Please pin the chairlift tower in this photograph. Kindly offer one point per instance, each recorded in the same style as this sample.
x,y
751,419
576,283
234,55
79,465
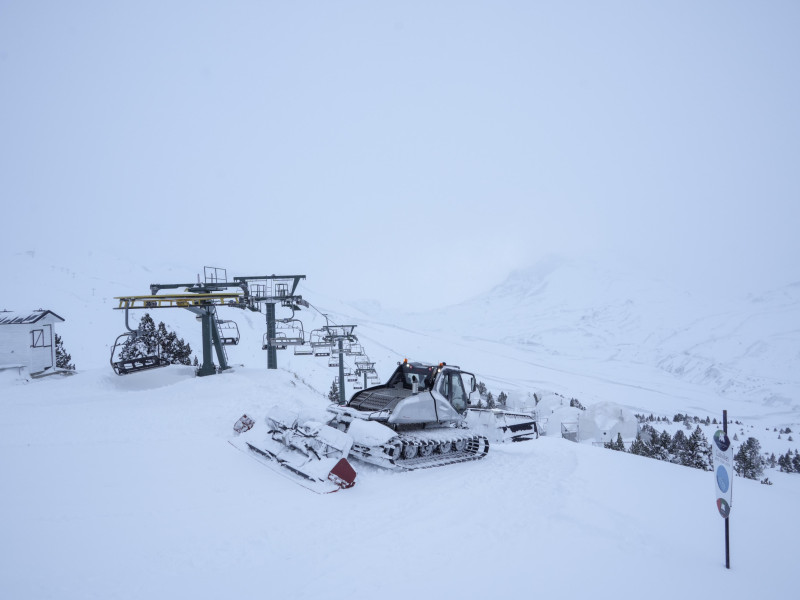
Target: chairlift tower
x,y
365,367
271,290
216,280
339,334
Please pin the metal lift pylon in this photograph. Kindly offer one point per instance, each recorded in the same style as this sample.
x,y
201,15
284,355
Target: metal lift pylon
x,y
338,334
272,290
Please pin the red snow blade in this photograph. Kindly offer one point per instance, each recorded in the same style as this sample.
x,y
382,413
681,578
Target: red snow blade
x,y
311,454
343,474
244,423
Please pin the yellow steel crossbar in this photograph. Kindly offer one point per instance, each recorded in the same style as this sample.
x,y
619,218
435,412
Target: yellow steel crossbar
x,y
177,300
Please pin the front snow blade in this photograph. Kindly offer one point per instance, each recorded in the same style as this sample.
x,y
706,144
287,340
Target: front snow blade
x,y
312,454
502,425
244,424
343,474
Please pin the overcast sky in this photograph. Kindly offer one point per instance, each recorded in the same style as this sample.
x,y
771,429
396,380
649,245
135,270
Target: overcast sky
x,y
411,152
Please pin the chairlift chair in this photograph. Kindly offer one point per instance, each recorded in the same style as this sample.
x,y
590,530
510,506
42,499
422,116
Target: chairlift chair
x,y
304,350
228,333
290,332
353,349
319,346
136,360
277,342
364,364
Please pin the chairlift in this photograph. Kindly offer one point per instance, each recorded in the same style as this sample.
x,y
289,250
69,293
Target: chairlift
x,y
228,332
353,349
322,350
364,364
333,360
289,332
336,332
132,355
277,342
319,345
303,350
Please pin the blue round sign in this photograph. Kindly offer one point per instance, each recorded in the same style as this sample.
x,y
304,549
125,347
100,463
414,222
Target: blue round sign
x,y
723,481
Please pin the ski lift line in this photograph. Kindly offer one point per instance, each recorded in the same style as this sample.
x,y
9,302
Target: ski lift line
x,y
179,301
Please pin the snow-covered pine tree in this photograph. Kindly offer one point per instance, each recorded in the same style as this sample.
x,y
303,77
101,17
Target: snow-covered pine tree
x,y
664,443
638,447
490,403
748,462
502,399
156,340
145,343
617,444
699,451
62,357
333,394
177,351
772,462
678,446
657,445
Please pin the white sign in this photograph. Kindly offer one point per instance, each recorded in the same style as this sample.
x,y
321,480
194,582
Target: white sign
x,y
723,472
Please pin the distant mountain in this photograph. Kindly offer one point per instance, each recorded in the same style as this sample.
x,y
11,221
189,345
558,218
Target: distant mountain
x,y
743,346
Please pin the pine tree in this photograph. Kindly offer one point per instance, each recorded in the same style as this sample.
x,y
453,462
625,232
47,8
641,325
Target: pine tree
x,y
62,357
617,444
502,399
333,394
748,462
698,451
152,340
678,448
144,343
772,462
490,400
658,445
638,447
665,443
645,435
173,349
785,462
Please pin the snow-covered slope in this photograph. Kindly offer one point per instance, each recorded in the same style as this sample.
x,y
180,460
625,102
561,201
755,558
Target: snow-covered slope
x,y
739,348
125,487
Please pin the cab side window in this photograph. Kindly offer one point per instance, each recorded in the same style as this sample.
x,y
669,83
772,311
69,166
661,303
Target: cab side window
x,y
459,398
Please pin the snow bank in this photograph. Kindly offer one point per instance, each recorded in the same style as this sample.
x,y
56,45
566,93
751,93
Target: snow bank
x,y
602,422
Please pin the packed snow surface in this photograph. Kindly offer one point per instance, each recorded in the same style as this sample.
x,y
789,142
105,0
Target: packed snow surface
x,y
127,487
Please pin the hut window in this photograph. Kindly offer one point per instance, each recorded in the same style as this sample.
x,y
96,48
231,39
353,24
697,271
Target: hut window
x,y
38,339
